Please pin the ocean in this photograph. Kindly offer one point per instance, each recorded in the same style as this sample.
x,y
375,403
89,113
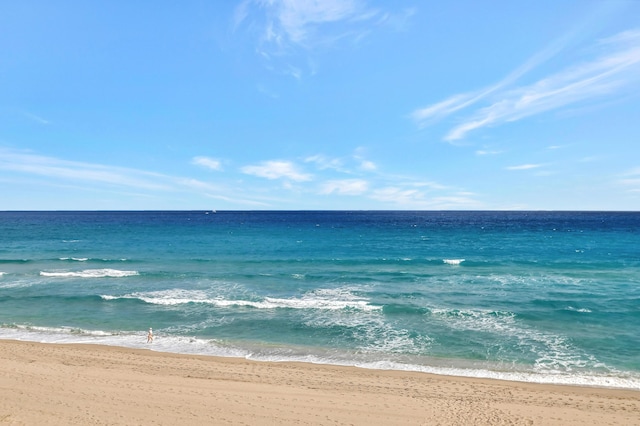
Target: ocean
x,y
547,297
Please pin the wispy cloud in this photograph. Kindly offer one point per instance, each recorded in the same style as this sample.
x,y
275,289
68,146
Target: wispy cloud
x,y
345,187
427,115
456,201
323,162
483,152
286,28
297,22
398,195
78,171
413,197
631,180
368,166
608,74
348,165
524,167
589,159
36,118
277,169
210,163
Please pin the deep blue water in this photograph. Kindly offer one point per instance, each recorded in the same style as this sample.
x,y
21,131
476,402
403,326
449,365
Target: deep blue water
x,y
535,296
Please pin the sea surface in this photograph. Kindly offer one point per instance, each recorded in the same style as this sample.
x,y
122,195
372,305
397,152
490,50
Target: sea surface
x,y
550,297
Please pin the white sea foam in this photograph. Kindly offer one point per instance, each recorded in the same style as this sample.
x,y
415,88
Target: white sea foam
x,y
370,331
107,297
323,299
453,261
581,310
90,273
607,381
77,259
211,347
554,353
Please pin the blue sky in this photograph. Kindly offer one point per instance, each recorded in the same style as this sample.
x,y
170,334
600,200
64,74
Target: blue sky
x,y
350,104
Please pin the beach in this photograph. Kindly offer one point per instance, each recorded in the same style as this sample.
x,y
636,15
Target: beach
x,y
51,384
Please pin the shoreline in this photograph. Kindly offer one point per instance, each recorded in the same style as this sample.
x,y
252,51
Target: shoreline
x,y
74,383
442,367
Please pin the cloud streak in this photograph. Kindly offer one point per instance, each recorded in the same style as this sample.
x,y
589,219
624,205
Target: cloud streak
x,y
276,169
78,171
98,177
209,163
618,68
345,187
525,167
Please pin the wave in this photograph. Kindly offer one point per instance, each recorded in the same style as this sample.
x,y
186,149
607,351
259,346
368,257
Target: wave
x,y
90,273
453,261
581,310
75,331
94,260
323,299
9,261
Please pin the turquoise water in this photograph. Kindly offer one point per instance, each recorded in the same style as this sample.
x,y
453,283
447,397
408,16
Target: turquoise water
x,y
549,297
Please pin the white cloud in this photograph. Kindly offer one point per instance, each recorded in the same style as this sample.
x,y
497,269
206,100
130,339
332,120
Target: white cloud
x,y
487,152
197,184
210,163
345,187
368,166
461,200
617,69
397,195
429,185
524,167
404,197
276,170
323,162
343,165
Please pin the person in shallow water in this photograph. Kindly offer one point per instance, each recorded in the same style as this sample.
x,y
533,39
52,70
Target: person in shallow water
x,y
150,335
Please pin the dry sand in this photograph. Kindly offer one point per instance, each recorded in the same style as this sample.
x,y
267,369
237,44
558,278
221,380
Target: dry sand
x,y
52,384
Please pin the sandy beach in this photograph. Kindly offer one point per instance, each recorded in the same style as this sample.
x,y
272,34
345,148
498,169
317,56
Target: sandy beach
x,y
55,384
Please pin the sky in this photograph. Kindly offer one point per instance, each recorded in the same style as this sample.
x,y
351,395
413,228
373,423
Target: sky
x,y
320,105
